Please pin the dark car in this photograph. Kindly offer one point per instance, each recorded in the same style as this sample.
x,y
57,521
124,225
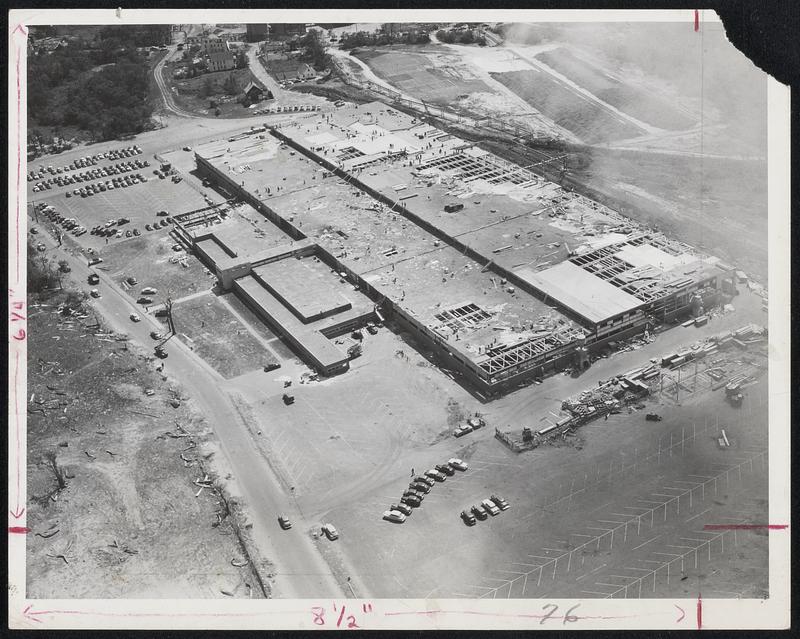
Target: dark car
x,y
424,480
478,512
414,493
420,488
160,352
435,474
403,508
411,500
469,519
283,520
444,468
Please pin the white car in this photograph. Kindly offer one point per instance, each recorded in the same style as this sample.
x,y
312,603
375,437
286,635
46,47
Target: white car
x,y
135,318
330,532
490,507
458,464
94,293
394,516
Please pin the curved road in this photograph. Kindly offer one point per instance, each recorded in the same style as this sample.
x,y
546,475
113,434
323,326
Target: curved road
x,y
166,94
300,571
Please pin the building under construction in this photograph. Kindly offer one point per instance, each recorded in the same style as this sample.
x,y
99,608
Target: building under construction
x,y
505,275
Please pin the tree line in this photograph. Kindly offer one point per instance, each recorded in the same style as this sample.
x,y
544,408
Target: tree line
x,y
99,86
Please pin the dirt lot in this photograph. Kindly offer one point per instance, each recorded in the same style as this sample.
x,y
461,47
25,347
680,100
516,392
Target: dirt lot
x,y
632,100
588,120
348,445
209,328
129,521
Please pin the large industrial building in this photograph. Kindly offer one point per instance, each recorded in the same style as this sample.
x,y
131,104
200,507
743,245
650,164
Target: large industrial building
x,y
505,275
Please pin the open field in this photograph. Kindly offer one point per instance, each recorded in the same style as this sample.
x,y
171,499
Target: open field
x,y
147,259
632,100
587,119
416,75
128,522
210,329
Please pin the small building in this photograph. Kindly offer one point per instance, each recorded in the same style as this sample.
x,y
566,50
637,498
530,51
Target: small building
x,y
255,93
223,61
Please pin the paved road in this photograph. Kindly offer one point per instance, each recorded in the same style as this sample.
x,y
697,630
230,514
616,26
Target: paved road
x,y
300,571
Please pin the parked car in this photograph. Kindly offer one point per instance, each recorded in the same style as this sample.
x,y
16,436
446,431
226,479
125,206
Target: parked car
x,y
135,318
478,512
95,260
330,532
160,352
435,474
94,293
136,232
372,329
468,518
476,422
457,463
489,507
445,469
424,480
162,213
132,281
419,487
414,493
284,522
501,503
144,300
394,516
156,335
462,430
411,500
401,508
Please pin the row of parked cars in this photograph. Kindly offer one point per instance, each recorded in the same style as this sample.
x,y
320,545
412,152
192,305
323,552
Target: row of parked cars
x,y
487,507
420,486
108,185
83,162
60,175
70,224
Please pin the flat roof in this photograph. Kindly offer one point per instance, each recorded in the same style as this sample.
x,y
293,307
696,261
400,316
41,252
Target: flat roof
x,y
305,288
314,344
580,291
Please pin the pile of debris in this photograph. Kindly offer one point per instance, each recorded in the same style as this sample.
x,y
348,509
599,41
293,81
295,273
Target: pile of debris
x,y
742,337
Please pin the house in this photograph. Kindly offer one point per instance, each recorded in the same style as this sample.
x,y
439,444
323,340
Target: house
x,y
255,93
214,44
223,61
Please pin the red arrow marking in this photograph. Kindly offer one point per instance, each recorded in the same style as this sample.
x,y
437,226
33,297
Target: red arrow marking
x,y
699,612
683,613
18,530
21,28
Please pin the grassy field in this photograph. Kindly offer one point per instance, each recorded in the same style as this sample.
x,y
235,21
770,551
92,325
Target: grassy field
x,y
584,117
218,337
634,101
414,74
127,521
147,259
